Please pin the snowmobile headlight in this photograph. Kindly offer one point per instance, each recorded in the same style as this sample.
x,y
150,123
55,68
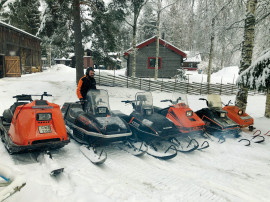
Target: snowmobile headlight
x,y
44,116
189,113
240,112
222,114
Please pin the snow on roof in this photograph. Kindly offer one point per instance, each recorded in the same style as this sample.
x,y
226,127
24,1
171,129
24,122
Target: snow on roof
x,y
63,58
193,56
161,41
17,29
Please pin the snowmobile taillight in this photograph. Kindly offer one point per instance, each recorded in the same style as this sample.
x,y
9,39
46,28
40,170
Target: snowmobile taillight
x,y
222,114
189,113
44,116
240,112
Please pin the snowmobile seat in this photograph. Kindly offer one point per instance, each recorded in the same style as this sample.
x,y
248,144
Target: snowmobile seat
x,y
8,113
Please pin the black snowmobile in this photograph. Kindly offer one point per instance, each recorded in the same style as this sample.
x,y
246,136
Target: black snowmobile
x,y
156,130
216,120
91,123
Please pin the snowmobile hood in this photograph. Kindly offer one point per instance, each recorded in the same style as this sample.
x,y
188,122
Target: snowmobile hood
x,y
215,117
156,123
104,125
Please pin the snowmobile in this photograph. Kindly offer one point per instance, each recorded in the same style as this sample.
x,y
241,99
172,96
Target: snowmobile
x,y
155,129
92,124
187,122
217,123
32,125
239,116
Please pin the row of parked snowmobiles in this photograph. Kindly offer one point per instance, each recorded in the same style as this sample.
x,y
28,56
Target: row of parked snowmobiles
x,y
30,125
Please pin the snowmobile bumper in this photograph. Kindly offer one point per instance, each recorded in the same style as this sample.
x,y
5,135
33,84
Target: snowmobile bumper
x,y
37,146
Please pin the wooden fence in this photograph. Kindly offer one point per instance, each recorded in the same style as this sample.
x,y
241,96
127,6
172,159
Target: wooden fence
x,y
169,86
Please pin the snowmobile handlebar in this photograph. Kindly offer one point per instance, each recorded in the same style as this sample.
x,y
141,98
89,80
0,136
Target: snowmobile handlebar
x,y
128,101
25,97
205,100
230,102
166,101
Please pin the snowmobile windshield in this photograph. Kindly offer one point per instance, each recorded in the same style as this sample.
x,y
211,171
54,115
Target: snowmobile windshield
x,y
144,100
179,98
97,100
214,101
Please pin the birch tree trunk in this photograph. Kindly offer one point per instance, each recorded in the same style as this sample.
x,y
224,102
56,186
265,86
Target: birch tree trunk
x,y
211,54
247,50
134,42
157,43
78,40
267,105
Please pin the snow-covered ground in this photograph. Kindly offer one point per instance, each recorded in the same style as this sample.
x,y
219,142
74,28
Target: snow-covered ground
x,y
223,172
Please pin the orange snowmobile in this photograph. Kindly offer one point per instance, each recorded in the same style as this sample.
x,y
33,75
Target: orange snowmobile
x,y
32,125
182,116
187,122
239,116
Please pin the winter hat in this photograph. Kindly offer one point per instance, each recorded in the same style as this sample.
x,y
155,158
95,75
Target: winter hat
x,y
88,70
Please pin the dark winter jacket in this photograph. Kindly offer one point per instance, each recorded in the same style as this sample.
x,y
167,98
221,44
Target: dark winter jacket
x,y
85,84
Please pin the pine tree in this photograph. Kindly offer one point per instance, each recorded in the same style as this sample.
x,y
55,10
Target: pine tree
x,y
257,76
24,14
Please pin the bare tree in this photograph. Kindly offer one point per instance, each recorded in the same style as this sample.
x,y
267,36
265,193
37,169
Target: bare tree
x,y
135,7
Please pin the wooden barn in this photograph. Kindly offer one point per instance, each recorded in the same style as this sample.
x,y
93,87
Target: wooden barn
x,y
170,59
19,51
192,61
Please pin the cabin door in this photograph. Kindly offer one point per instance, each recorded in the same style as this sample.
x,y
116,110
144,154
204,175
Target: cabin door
x,y
12,64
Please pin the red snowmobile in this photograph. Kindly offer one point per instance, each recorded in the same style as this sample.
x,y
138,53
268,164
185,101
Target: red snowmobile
x,y
182,116
187,122
32,125
239,116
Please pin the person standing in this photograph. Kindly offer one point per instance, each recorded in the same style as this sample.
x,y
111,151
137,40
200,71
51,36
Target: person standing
x,y
86,83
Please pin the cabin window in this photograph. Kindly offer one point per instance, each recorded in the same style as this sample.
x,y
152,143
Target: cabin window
x,y
152,62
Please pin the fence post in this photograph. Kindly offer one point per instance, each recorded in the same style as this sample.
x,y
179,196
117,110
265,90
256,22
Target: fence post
x,y
127,81
188,84
99,76
161,84
220,87
174,84
149,84
140,83
114,78
201,86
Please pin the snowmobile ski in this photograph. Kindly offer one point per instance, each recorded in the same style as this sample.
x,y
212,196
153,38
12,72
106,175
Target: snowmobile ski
x,y
155,151
134,148
204,145
257,138
93,155
47,159
189,148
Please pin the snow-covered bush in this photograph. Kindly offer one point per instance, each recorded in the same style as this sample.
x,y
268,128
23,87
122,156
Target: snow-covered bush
x,y
181,75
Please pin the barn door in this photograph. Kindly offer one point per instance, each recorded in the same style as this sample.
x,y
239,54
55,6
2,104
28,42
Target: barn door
x,y
12,64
